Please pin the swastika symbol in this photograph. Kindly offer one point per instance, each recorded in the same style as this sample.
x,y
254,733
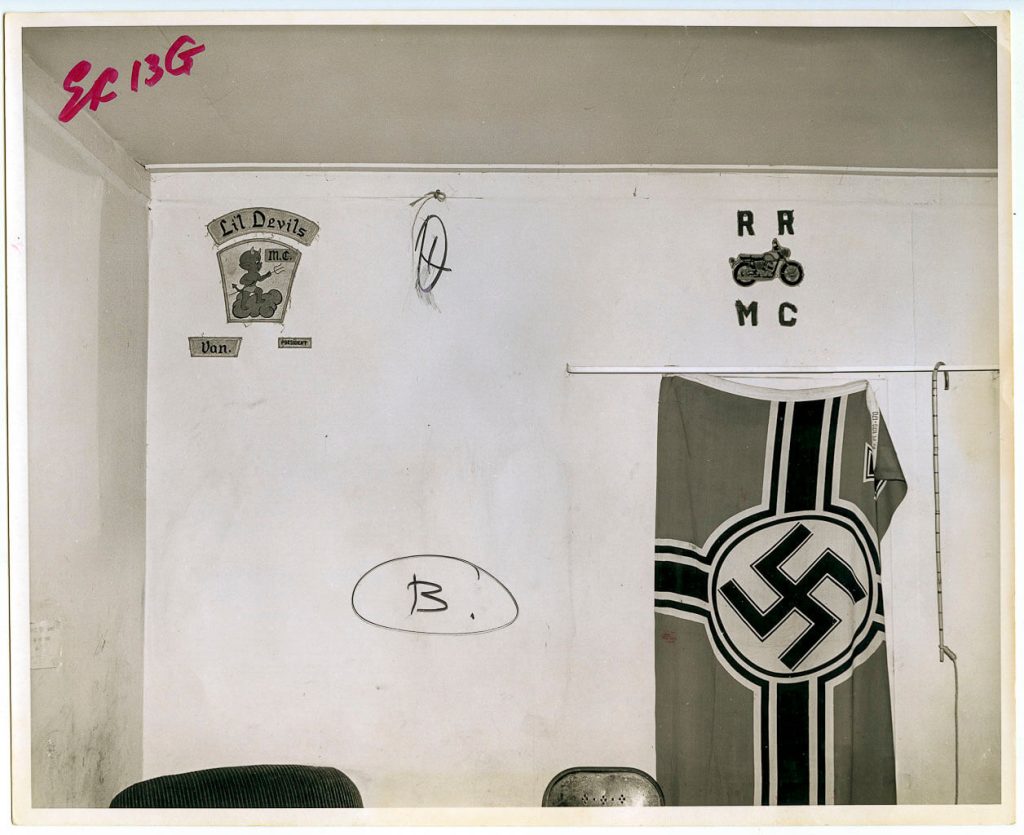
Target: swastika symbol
x,y
794,595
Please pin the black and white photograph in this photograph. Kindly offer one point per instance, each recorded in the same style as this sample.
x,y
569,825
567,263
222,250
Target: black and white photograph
x,y
473,417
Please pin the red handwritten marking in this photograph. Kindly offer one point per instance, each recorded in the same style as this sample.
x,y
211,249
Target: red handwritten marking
x,y
668,637
156,72
186,55
79,98
98,93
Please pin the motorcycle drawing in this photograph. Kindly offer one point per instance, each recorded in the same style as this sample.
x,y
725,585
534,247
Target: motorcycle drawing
x,y
748,268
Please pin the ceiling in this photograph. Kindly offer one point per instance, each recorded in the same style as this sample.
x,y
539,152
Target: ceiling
x,y
878,97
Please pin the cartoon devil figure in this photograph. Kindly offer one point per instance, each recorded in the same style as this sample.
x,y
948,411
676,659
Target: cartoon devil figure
x,y
251,301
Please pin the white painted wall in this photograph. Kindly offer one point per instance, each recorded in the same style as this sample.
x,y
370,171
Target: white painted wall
x,y
86,243
275,480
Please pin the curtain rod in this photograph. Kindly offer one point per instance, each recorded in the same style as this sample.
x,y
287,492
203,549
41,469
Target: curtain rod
x,y
747,370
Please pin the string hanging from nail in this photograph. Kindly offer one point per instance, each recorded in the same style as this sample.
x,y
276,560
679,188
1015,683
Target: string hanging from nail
x,y
436,194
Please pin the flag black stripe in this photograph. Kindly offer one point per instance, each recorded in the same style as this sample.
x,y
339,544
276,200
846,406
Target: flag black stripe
x,y
687,580
682,552
791,741
804,447
682,607
833,428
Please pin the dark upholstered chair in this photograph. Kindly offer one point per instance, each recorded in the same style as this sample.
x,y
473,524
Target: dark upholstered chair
x,y
589,786
244,787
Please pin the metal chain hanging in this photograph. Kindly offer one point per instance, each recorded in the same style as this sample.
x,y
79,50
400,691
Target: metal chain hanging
x,y
944,651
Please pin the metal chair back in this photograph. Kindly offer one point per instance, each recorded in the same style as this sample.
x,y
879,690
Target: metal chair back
x,y
596,786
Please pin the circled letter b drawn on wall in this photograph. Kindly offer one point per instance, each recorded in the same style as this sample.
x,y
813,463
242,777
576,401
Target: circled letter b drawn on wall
x,y
435,595
256,270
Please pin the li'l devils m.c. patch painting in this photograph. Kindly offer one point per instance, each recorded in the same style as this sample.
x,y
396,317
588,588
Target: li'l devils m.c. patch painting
x,y
257,267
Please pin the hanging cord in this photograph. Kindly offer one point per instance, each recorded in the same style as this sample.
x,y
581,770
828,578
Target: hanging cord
x,y
436,194
944,651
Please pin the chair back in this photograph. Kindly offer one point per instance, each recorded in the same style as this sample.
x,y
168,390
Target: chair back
x,y
593,786
244,787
